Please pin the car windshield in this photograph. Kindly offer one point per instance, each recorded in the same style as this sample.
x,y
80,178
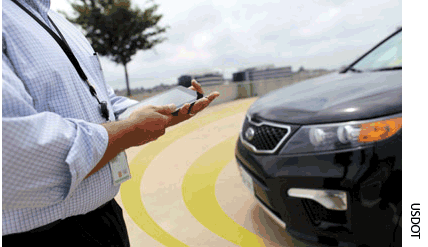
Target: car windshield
x,y
387,56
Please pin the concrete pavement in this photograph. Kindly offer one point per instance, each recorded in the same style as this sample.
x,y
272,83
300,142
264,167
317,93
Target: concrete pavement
x,y
186,189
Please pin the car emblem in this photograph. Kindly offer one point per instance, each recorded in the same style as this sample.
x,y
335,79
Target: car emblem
x,y
249,134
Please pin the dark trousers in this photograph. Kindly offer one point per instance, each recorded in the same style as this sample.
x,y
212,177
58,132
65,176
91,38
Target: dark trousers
x,y
104,226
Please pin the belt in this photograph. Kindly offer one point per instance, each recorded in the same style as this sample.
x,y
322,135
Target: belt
x,y
53,224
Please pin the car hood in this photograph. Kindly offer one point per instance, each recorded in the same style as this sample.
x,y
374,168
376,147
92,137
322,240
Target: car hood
x,y
334,97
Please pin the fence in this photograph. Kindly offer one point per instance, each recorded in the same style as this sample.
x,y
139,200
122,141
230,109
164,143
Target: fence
x,y
248,89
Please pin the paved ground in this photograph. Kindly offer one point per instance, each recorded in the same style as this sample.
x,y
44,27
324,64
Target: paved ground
x,y
186,189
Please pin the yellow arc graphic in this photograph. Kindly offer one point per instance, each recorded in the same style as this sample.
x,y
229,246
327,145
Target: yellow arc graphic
x,y
130,190
199,195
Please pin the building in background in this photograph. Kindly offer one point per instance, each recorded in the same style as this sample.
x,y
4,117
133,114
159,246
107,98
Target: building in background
x,y
211,78
261,73
185,80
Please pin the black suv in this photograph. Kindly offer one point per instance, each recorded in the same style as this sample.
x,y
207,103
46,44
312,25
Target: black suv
x,y
323,157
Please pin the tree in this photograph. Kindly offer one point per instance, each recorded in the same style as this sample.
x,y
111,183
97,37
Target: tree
x,y
118,30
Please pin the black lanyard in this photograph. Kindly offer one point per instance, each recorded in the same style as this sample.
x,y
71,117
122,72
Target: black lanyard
x,y
66,48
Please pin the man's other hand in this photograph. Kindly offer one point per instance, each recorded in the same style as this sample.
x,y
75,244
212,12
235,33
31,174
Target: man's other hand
x,y
199,105
147,124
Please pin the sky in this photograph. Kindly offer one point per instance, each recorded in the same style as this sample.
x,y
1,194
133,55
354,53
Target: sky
x,y
230,35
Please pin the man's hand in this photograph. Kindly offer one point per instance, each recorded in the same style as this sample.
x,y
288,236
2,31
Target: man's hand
x,y
197,107
149,123
144,125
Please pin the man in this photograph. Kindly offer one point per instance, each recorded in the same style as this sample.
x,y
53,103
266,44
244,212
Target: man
x,y
58,150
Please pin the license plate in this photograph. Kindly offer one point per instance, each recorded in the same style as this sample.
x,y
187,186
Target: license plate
x,y
247,180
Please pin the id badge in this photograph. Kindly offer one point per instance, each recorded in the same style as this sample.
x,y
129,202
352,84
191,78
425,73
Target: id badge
x,y
120,169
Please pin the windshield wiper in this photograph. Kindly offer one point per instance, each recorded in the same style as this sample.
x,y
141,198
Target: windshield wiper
x,y
389,68
355,70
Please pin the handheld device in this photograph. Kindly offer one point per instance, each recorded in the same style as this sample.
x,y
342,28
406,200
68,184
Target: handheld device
x,y
178,96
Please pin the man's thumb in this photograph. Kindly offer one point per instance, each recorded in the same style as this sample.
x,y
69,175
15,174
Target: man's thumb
x,y
166,109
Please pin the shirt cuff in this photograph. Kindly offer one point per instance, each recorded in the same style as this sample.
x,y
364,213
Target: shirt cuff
x,y
87,150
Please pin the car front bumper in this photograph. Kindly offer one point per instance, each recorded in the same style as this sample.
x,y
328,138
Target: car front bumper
x,y
341,198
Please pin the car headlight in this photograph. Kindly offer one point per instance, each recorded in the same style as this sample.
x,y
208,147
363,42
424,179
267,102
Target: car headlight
x,y
327,137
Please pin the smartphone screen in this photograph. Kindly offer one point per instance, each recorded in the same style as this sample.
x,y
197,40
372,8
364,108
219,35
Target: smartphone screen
x,y
177,96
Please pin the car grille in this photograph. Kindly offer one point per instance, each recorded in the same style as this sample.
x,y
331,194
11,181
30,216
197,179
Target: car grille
x,y
267,136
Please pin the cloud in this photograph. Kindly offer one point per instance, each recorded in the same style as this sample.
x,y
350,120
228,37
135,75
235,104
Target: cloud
x,y
182,54
323,46
231,23
328,15
234,34
200,39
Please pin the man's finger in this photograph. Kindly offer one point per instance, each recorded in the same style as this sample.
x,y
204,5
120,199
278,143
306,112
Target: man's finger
x,y
197,86
165,109
199,105
185,109
204,102
212,96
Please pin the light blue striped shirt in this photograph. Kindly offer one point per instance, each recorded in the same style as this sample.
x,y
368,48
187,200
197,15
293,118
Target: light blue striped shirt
x,y
52,137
